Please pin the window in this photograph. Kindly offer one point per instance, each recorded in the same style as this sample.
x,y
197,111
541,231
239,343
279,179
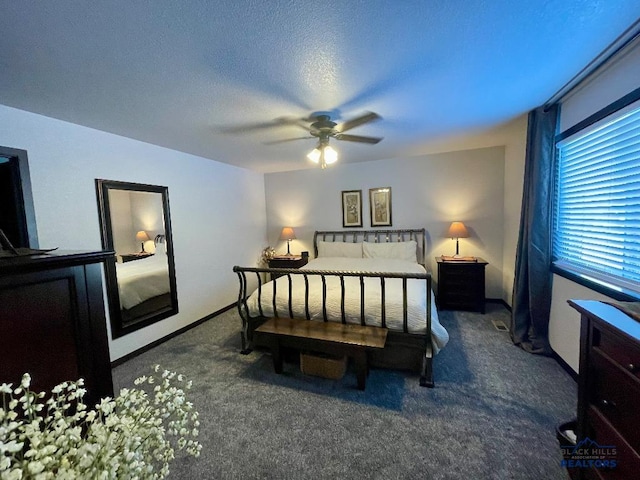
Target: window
x,y
597,204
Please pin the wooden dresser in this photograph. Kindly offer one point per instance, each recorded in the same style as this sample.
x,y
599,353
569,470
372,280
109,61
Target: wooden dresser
x,y
52,321
609,387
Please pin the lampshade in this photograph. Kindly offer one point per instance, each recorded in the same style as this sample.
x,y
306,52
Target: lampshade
x,y
142,236
457,230
287,234
314,155
330,155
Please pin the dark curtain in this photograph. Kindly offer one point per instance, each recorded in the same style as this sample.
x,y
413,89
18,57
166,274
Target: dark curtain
x,y
531,301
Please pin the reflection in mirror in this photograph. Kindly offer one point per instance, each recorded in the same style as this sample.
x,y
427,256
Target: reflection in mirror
x,y
141,282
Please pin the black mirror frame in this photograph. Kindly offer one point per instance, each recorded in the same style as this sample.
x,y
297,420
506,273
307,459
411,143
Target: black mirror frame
x,y
102,191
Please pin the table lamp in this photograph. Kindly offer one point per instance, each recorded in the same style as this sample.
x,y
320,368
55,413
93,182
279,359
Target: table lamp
x,y
288,234
457,230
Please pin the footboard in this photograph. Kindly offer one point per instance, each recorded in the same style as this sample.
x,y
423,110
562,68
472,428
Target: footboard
x,y
404,349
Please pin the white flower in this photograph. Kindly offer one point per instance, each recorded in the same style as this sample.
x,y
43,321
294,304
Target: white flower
x,y
26,380
14,474
11,446
124,437
35,467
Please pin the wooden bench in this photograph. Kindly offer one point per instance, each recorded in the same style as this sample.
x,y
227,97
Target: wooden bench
x,y
325,337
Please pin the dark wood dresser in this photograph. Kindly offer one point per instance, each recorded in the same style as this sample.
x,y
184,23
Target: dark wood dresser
x,y
609,387
461,284
52,321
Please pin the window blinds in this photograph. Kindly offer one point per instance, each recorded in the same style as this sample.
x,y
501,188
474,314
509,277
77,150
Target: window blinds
x,y
597,208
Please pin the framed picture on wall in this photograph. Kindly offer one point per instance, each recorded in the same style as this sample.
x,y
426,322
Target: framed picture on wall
x,y
380,203
352,208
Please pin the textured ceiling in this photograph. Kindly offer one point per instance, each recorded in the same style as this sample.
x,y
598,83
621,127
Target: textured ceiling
x,y
178,73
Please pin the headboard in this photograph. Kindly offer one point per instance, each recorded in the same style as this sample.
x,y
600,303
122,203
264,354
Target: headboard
x,y
376,236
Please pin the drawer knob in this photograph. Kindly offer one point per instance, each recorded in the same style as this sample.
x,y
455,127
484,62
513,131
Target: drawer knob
x,y
608,403
632,368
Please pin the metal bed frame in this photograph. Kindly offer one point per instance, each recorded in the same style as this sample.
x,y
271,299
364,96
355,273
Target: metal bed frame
x,y
403,350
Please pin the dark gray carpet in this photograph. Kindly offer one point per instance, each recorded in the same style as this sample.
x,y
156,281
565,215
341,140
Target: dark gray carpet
x,y
492,414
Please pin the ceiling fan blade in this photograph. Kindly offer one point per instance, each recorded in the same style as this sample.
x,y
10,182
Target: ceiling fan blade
x,y
357,138
275,142
355,122
277,122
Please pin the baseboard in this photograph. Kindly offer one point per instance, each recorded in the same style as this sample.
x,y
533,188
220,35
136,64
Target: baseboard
x,y
151,345
498,301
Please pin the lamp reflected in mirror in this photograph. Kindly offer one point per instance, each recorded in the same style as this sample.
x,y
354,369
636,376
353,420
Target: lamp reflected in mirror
x,y
142,237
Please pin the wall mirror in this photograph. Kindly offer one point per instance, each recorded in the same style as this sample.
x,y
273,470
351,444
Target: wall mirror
x,y
141,281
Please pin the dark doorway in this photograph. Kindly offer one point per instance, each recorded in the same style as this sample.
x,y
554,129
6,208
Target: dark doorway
x,y
17,215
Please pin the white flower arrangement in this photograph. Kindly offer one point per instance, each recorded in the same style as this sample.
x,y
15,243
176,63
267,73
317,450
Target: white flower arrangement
x,y
267,254
123,437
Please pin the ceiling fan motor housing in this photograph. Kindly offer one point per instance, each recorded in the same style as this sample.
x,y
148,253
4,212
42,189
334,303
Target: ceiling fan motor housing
x,y
323,127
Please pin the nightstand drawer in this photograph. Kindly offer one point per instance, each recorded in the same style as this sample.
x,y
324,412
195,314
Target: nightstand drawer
x,y
458,296
464,271
614,393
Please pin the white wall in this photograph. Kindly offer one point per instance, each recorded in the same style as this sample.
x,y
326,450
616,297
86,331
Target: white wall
x,y
611,83
514,160
217,210
427,191
513,136
619,77
564,325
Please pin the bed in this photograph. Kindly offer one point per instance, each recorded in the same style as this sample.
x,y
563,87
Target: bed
x,y
366,277
143,284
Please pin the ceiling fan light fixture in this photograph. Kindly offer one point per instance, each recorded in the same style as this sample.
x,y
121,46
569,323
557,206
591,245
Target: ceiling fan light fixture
x,y
314,155
324,155
330,155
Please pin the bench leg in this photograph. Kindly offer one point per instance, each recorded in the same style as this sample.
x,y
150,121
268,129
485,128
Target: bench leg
x,y
360,358
276,354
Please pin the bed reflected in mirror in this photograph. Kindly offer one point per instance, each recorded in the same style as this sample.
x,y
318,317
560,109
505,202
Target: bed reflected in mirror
x,y
135,224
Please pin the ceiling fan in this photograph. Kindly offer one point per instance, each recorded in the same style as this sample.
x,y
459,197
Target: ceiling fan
x,y
321,127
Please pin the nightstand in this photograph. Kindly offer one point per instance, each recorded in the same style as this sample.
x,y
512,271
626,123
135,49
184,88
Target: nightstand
x,y
130,257
461,284
294,261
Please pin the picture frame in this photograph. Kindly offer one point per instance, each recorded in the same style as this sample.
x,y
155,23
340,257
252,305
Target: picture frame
x,y
352,208
380,205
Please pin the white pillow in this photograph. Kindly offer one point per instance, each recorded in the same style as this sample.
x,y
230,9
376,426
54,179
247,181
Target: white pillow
x,y
396,250
340,249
